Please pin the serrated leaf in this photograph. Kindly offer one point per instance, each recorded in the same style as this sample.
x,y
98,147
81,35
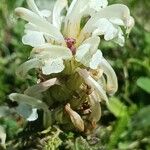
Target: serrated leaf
x,y
117,107
144,83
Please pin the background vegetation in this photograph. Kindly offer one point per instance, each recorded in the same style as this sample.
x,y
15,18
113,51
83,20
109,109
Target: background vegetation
x,y
124,125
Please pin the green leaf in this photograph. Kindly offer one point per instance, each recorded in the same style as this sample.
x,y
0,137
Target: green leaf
x,y
12,127
144,83
116,107
120,127
141,119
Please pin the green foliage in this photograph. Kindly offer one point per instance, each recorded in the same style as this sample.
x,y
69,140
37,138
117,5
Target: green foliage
x,y
117,108
144,83
11,53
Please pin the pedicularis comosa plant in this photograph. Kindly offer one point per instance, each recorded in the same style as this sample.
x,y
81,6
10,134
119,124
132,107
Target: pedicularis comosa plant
x,y
73,76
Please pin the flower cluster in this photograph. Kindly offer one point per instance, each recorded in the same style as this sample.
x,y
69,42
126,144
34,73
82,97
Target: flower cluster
x,y
74,77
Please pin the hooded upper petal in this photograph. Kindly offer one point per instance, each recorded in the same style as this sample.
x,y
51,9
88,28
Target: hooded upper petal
x,y
42,24
114,12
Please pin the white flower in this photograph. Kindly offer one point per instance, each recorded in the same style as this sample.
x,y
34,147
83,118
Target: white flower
x,y
57,38
104,20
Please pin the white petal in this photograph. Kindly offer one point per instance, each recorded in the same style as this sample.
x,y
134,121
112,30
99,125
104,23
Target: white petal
x,y
120,39
33,116
102,82
46,4
94,43
96,59
109,30
51,51
30,27
117,21
33,38
45,13
71,7
41,23
73,18
116,11
53,66
91,82
58,7
112,83
33,7
130,24
104,27
111,34
76,11
98,4
82,51
86,51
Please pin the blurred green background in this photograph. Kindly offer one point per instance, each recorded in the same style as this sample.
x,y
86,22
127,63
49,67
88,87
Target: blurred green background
x,y
131,63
